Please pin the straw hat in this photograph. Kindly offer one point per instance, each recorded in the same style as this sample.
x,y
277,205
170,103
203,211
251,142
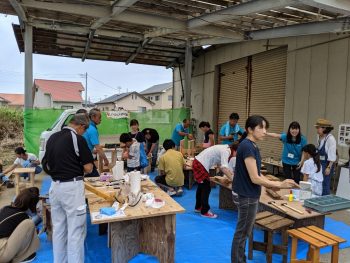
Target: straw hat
x,y
323,123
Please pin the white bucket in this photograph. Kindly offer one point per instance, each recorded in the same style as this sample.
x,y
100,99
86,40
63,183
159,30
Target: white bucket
x,y
118,170
135,182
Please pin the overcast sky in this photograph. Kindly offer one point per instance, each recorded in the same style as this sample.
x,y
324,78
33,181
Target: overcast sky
x,y
132,77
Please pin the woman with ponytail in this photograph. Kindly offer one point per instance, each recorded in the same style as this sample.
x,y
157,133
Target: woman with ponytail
x,y
312,169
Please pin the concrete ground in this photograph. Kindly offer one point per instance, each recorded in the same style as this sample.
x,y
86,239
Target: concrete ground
x,y
6,196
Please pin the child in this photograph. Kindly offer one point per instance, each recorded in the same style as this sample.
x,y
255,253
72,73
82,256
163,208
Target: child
x,y
133,154
311,169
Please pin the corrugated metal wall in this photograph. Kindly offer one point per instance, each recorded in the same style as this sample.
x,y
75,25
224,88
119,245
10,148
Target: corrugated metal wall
x,y
317,80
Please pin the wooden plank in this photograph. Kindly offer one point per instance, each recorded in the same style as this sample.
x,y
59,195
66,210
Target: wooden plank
x,y
327,234
300,235
157,237
24,170
98,192
293,251
124,240
318,236
262,215
279,224
268,220
335,253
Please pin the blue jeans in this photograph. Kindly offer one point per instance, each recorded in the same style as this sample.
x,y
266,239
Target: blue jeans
x,y
247,209
4,178
28,164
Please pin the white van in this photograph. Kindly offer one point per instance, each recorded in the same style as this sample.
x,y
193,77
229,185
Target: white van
x,y
62,121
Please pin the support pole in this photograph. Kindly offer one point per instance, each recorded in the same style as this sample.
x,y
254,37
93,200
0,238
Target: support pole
x,y
188,74
28,67
86,103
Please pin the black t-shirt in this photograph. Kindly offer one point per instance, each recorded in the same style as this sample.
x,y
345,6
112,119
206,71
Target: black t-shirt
x,y
242,184
9,225
154,135
206,135
63,161
138,136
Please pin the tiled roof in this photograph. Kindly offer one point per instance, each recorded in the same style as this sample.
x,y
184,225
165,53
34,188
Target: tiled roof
x,y
14,99
157,88
67,91
120,96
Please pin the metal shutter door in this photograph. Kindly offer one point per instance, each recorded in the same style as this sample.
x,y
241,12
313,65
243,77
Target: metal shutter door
x,y
268,95
233,91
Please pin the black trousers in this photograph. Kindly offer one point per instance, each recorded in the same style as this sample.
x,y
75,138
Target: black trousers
x,y
202,196
94,172
291,172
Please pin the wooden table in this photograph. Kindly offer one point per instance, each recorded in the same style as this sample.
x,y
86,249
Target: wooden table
x,y
306,219
143,229
18,171
272,163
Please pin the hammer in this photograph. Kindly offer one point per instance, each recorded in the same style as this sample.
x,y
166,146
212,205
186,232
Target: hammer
x,y
278,207
292,208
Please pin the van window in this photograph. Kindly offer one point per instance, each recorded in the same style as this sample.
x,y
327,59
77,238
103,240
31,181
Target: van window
x,y
67,120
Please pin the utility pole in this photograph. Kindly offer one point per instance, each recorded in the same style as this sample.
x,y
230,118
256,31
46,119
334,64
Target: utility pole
x,y
86,90
119,88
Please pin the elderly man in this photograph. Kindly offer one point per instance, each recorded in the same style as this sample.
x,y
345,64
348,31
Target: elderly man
x,y
67,158
180,132
92,138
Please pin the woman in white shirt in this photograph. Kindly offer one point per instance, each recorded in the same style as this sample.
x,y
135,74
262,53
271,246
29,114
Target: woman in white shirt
x,y
312,169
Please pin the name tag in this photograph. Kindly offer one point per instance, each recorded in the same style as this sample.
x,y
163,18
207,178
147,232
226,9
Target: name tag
x,y
322,157
290,155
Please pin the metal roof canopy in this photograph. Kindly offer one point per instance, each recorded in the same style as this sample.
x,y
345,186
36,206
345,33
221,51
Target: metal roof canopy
x,y
155,32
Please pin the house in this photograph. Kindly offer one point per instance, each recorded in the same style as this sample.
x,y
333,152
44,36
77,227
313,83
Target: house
x,y
161,95
57,94
12,100
130,101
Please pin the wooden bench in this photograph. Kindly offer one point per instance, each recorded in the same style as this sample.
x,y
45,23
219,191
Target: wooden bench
x,y
317,238
17,173
270,224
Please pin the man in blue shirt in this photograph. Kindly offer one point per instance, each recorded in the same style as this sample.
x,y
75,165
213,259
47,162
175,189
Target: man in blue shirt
x,y
181,130
230,130
92,138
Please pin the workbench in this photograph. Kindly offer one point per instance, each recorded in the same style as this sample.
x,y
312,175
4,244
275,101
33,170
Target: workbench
x,y
142,229
305,219
275,165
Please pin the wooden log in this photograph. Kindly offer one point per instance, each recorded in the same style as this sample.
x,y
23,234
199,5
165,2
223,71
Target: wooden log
x,y
98,192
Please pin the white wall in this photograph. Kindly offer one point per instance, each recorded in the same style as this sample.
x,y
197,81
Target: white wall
x,y
131,103
317,81
106,106
42,100
163,102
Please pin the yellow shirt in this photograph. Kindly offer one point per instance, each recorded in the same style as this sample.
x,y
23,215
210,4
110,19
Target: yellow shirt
x,y
172,163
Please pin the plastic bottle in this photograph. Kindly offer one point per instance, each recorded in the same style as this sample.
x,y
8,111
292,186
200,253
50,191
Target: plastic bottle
x,y
290,197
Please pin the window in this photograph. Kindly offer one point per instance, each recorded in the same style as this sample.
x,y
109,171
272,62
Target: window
x,y
67,120
107,108
66,107
170,97
156,98
141,109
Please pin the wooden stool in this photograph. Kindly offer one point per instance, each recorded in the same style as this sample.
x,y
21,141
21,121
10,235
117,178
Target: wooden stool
x,y
46,215
270,224
316,238
112,153
18,171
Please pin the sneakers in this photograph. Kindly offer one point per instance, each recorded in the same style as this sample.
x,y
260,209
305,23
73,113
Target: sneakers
x,y
171,192
179,191
210,214
197,210
29,259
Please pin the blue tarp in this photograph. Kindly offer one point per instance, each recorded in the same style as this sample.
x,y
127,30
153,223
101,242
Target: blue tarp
x,y
197,239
